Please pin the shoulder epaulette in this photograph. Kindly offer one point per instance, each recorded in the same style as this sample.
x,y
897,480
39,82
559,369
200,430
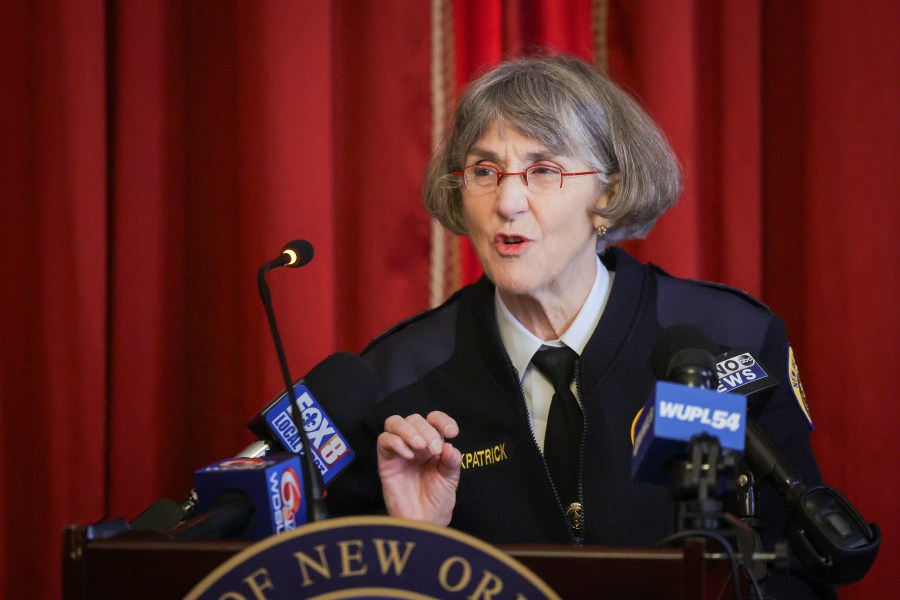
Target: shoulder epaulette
x,y
411,320
715,286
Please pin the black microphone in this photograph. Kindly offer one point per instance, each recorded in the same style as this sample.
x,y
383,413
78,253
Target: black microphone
x,y
298,252
166,514
294,254
251,498
257,497
683,405
832,540
343,384
333,396
684,354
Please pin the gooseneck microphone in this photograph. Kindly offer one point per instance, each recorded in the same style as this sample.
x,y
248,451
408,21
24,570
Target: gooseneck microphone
x,y
294,254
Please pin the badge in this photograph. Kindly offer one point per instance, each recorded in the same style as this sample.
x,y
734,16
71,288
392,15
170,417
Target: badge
x,y
799,394
634,423
484,456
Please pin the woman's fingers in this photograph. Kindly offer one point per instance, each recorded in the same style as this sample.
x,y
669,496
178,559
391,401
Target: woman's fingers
x,y
450,461
443,423
419,434
390,444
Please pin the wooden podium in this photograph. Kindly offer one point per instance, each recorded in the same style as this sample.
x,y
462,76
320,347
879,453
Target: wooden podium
x,y
143,566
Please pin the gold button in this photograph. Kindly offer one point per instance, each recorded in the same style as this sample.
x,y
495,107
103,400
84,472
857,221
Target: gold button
x,y
575,514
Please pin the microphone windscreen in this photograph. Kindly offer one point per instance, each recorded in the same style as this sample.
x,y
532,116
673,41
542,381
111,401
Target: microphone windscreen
x,y
692,357
263,496
345,385
673,341
349,390
300,253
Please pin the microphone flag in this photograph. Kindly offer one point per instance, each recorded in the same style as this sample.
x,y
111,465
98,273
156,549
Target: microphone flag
x,y
674,414
330,450
272,487
739,371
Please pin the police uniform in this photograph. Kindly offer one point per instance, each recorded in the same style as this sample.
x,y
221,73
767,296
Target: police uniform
x,y
452,359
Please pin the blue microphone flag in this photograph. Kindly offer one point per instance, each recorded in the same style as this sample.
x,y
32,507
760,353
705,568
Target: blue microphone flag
x,y
273,486
674,414
739,371
330,450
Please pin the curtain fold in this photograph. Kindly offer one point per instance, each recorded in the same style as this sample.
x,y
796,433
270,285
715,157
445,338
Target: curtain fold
x,y
382,143
695,66
832,131
154,154
489,32
148,226
53,231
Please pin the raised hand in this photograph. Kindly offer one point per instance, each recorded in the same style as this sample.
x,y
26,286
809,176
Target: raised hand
x,y
419,470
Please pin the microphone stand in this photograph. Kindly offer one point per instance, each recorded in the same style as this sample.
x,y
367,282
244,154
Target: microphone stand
x,y
312,482
700,479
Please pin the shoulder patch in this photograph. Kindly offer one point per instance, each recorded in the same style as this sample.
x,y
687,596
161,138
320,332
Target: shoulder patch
x,y
797,386
634,423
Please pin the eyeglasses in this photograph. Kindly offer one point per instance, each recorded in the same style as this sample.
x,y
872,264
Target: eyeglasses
x,y
485,179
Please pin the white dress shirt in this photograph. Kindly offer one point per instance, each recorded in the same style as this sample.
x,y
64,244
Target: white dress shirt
x,y
521,345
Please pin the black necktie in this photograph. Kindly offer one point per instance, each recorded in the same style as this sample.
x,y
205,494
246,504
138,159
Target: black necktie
x,y
565,421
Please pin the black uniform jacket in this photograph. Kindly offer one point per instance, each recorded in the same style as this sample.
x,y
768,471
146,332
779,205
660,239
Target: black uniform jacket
x,y
452,359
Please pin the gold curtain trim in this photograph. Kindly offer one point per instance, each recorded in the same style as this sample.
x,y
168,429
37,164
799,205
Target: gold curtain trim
x,y
445,268
599,27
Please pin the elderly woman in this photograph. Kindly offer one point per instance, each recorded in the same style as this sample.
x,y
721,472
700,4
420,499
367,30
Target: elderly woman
x,y
509,409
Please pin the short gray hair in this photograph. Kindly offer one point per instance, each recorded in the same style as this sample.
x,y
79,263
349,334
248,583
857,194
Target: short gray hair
x,y
575,111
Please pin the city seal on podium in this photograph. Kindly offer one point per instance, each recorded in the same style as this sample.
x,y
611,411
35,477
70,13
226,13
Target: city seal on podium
x,y
371,557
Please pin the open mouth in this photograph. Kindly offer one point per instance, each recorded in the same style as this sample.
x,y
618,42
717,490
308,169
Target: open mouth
x,y
509,244
510,239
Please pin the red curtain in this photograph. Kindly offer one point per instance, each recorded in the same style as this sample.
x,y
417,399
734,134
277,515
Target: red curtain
x,y
154,154
696,67
53,232
831,142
